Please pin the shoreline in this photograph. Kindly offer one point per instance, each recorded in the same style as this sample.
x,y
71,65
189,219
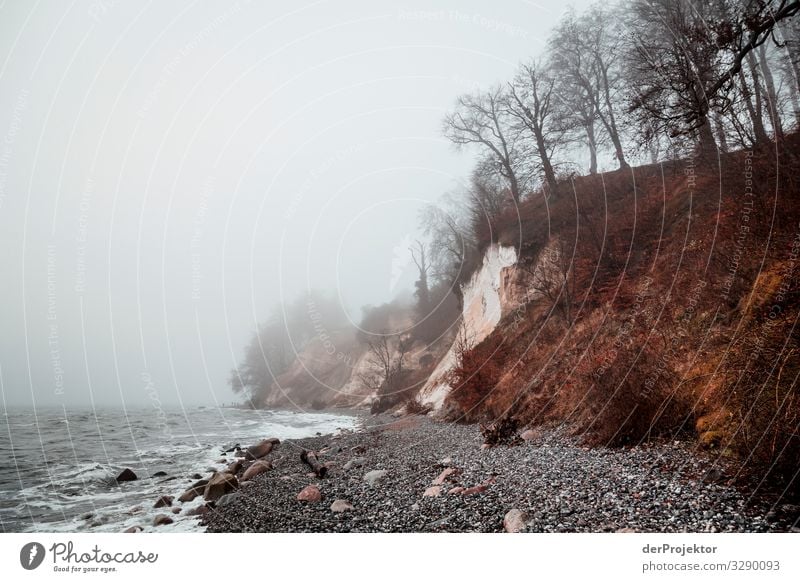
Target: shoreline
x,y
414,474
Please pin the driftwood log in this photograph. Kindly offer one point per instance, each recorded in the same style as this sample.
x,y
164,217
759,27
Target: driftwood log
x,y
310,459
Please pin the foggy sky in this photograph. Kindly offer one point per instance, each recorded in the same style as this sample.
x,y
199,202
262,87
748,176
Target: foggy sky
x,y
170,171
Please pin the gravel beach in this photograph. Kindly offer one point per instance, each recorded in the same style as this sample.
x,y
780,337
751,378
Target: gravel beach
x,y
418,475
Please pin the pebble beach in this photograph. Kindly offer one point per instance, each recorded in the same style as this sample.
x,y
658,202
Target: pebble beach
x,y
417,475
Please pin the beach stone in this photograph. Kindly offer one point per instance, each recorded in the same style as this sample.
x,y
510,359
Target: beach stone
x,y
164,501
446,462
194,491
160,474
434,491
188,495
199,510
340,505
374,476
262,449
713,475
197,476
176,510
256,469
515,521
528,435
227,499
357,462
162,519
310,494
475,490
443,475
126,475
134,529
220,484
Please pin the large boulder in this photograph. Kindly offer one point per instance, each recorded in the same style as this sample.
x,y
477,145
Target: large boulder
x,y
256,468
220,484
310,494
126,475
260,450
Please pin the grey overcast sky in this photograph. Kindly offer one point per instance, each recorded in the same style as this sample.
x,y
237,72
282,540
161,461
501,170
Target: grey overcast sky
x,y
169,171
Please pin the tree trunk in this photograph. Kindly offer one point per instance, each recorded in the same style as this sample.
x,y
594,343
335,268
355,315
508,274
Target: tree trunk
x,y
653,152
611,123
793,95
707,145
513,183
772,94
592,140
760,134
721,138
758,109
549,173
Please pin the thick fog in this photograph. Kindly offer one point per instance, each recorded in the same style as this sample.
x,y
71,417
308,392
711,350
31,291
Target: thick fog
x,y
169,172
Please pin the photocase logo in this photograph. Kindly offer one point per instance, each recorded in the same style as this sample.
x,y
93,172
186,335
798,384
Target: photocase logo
x,y
31,555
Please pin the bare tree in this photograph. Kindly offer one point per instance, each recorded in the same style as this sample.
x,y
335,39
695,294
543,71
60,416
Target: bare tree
x,y
451,244
576,83
685,57
532,102
585,53
419,256
481,119
672,62
387,354
773,102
